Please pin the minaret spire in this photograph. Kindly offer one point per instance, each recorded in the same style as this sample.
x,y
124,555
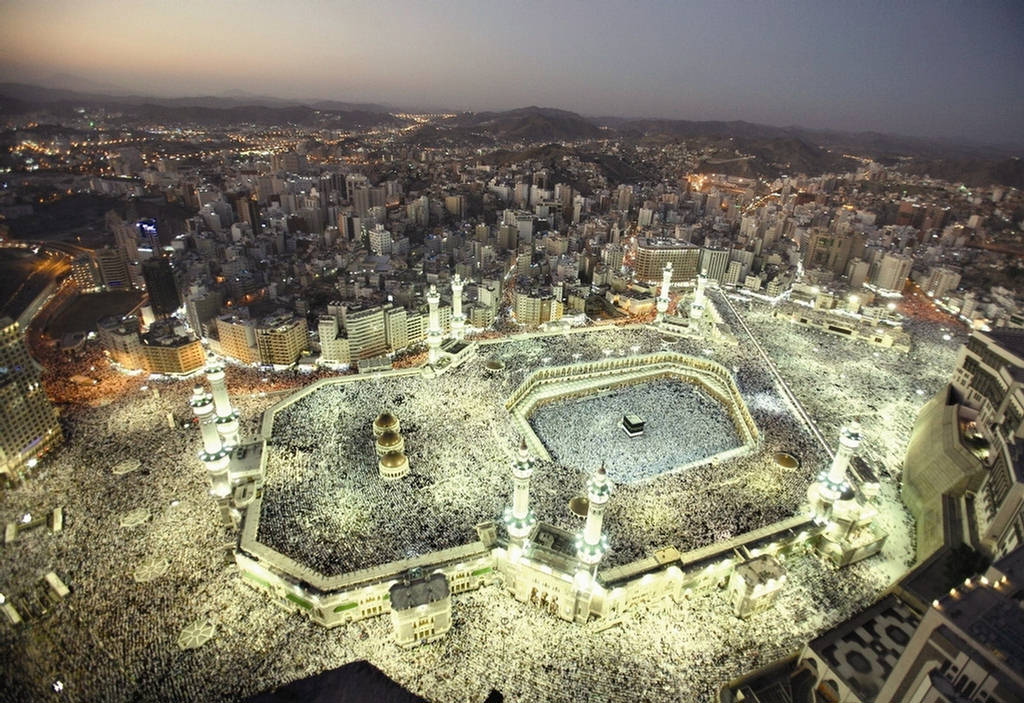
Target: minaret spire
x,y
519,519
591,544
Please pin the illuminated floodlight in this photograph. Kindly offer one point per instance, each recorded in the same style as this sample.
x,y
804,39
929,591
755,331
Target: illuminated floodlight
x,y
32,462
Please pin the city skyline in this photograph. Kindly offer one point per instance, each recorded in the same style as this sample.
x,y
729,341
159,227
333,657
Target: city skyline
x,y
898,70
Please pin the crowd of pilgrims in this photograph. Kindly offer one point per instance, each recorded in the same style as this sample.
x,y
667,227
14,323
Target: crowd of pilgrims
x,y
115,639
837,380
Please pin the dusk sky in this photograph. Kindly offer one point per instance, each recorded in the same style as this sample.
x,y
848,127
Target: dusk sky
x,y
919,68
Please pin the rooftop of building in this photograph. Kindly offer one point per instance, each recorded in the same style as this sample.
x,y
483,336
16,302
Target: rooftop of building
x,y
166,335
1009,338
665,243
864,649
419,591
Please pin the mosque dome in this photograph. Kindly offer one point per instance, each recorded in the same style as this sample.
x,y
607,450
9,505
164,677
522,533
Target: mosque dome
x,y
389,438
393,466
393,460
384,422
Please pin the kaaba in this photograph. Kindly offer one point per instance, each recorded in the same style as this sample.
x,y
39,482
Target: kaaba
x,y
632,425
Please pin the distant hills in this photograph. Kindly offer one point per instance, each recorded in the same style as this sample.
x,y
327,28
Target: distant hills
x,y
532,124
19,98
775,149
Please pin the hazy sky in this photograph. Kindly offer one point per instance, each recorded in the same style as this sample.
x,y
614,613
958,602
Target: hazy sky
x,y
929,68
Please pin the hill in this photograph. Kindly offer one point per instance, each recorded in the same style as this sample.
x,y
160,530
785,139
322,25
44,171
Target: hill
x,y
530,124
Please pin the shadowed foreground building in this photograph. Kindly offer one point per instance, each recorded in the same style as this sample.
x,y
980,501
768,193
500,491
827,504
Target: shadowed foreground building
x,y
964,469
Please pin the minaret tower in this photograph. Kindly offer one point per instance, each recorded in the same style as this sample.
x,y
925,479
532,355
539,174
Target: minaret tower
x,y
697,306
519,519
666,281
832,484
227,417
591,545
458,319
434,332
214,455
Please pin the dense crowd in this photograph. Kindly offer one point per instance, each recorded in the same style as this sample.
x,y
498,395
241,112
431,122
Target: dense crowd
x,y
682,425
116,639
838,380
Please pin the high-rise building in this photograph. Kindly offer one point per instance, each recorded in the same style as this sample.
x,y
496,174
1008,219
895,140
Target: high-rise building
x,y
537,308
84,273
202,306
653,254
113,267
365,331
361,199
891,272
333,344
857,272
147,236
966,442
380,241
940,281
281,338
714,263
168,349
161,286
238,338
119,337
28,421
830,251
967,645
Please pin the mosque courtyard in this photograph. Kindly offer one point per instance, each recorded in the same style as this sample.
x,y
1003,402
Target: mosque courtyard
x,y
326,506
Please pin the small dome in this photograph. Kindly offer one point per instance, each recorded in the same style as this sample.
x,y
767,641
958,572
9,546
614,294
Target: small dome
x,y
389,439
385,420
393,460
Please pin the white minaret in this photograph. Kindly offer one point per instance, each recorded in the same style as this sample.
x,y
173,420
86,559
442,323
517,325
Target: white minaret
x,y
434,332
849,440
591,545
227,418
697,306
458,319
519,519
666,281
832,484
214,455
